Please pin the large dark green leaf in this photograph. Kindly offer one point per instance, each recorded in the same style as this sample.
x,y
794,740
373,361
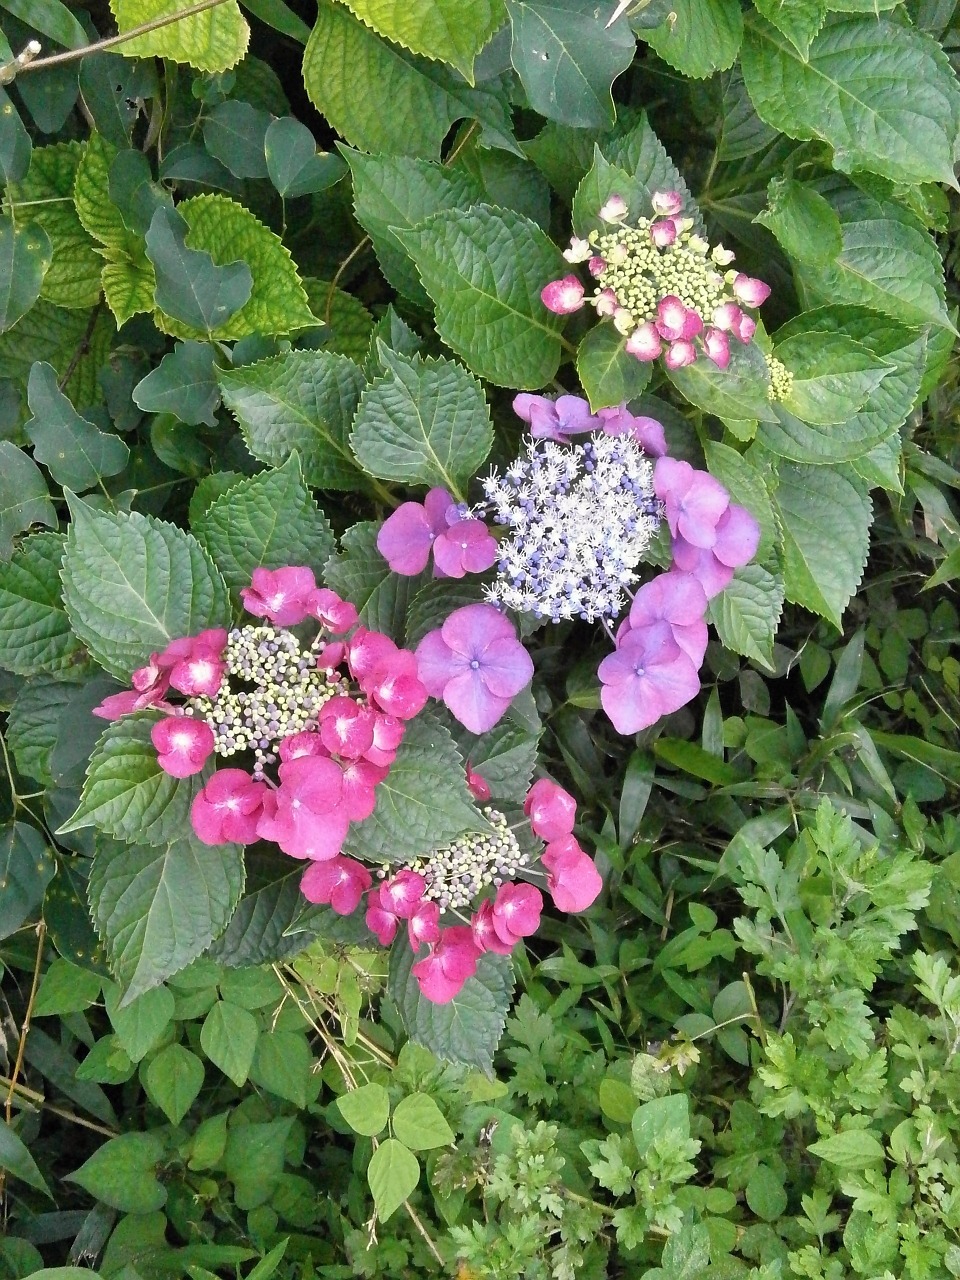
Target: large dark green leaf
x,y
190,285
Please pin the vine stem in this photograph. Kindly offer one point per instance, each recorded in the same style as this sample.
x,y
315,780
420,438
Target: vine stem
x,y
71,55
25,1026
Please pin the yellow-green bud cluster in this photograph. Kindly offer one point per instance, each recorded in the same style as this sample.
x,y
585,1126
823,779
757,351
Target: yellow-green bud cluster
x,y
457,873
640,273
281,691
781,379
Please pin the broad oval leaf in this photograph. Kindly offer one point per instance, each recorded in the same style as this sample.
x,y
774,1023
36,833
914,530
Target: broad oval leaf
x,y
35,634
190,286
393,1174
25,255
451,31
75,452
699,37
212,40
24,496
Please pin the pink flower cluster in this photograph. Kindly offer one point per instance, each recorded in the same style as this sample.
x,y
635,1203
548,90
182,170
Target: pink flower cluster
x,y
661,644
499,922
460,544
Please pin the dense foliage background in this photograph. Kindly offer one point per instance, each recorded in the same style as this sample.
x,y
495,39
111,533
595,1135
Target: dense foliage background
x,y
268,270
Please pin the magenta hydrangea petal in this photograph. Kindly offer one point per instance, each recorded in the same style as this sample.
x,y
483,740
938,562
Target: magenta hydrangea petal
x,y
738,536
468,698
405,538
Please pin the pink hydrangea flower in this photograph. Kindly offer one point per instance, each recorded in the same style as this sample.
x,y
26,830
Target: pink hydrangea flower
x,y
340,882
406,537
679,600
387,736
229,808
645,342
736,542
346,728
451,961
310,819
337,615
730,319
563,296
516,912
306,743
478,785
360,781
395,686
195,664
423,926
555,419
402,894
282,595
551,810
183,745
693,500
484,932
572,876
666,203
613,209
663,232
750,291
475,664
647,677
679,354
675,321
466,546
648,432
378,920
717,347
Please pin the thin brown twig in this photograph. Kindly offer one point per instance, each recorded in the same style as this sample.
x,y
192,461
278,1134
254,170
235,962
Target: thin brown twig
x,y
25,1026
31,1098
83,346
110,42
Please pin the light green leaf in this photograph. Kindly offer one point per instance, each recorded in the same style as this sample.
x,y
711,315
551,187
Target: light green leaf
x,y
127,794
234,133
888,262
229,1037
747,612
184,384
607,374
24,497
123,1173
349,73
669,1115
66,988
853,1149
283,1065
469,1027
833,375
765,1194
567,56
803,221
452,31
882,95
484,268
393,1174
254,1159
350,324
73,277
16,1159
190,287
798,20
366,1110
172,1081
420,1124
294,165
228,231
213,40
360,574
159,907
736,393
422,804
26,868
825,514
424,422
132,583
398,192
265,521
25,254
75,452
704,38
35,634
303,401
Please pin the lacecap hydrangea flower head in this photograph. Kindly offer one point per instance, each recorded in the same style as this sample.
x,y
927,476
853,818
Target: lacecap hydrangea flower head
x,y
661,285
304,710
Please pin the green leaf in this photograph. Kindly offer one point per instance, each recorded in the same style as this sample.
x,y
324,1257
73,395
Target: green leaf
x,y
127,794
504,757
424,422
888,262
132,583
25,254
349,72
132,189
567,57
420,1124
254,1159
469,1027
294,165
184,384
607,374
15,145
51,19
360,574
283,1065
825,514
277,14
704,37
172,1080
73,277
348,325
484,268
24,497
798,20
54,334
366,1110
659,1118
422,804
765,1194
190,286
435,601
269,520
159,907
234,134
66,988
746,613
854,1149
882,95
265,929
35,634
303,401
26,868
395,192
75,452
229,1037
110,87
123,1173
213,40
803,221
98,215
452,31
393,1174
686,1255
833,375
736,393
15,1158
228,231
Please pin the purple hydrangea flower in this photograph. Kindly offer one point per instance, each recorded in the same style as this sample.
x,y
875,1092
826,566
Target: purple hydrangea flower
x,y
406,536
555,419
648,676
679,600
465,546
736,542
693,501
475,664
